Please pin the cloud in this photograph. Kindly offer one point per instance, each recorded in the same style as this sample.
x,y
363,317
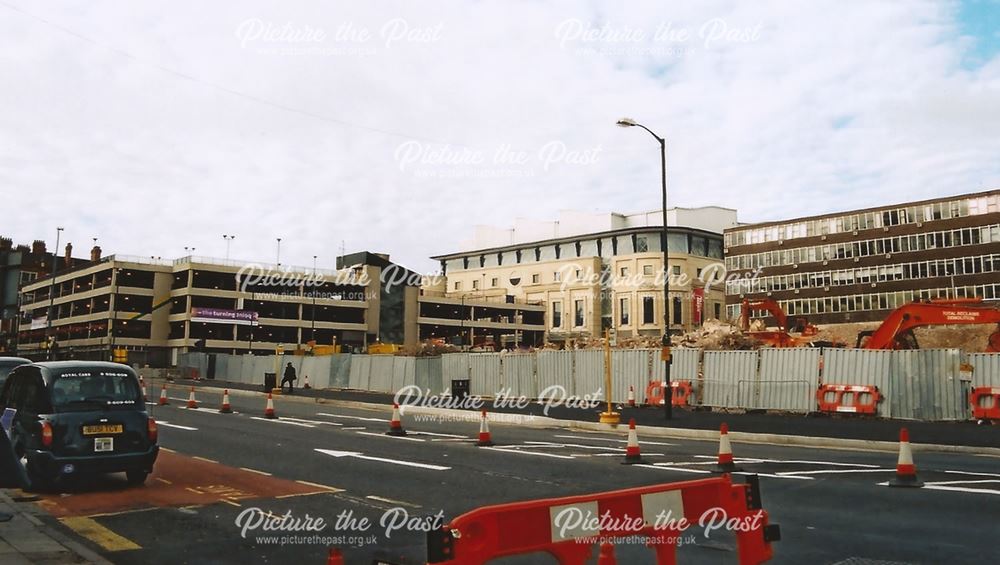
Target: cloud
x,y
165,125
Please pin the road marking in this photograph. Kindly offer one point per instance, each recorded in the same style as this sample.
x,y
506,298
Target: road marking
x,y
351,417
129,511
232,502
167,449
795,461
973,474
614,440
457,440
282,421
392,501
936,483
438,435
828,471
508,450
376,434
203,410
773,476
666,467
255,471
358,455
90,529
353,428
178,426
579,446
316,422
962,489
317,485
164,481
205,459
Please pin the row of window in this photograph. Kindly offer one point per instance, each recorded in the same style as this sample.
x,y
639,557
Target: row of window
x,y
606,247
648,313
904,271
867,220
536,278
874,301
867,248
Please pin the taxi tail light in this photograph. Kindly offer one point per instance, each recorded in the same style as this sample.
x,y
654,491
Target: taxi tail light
x,y
46,434
151,430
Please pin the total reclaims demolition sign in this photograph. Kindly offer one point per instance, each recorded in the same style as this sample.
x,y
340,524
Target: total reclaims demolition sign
x,y
221,316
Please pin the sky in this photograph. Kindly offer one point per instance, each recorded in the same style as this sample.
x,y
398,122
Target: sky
x,y
397,127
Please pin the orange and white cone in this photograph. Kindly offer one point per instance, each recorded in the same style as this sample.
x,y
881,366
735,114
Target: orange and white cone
x,y
225,408
395,425
192,403
305,383
485,440
906,471
269,409
632,455
631,397
163,396
725,463
335,557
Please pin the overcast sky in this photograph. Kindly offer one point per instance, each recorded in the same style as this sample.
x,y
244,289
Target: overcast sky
x,y
398,126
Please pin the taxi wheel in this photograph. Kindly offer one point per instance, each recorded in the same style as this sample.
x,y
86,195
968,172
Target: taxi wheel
x,y
136,477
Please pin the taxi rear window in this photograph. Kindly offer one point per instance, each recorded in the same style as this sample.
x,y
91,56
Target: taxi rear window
x,y
94,389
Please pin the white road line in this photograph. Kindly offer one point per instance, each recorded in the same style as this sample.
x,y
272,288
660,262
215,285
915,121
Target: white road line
x,y
773,476
438,435
205,410
357,455
576,445
282,421
316,422
317,485
938,483
456,440
376,434
392,501
664,467
614,440
796,461
973,474
266,474
169,425
831,471
351,417
505,450
963,489
354,428
622,455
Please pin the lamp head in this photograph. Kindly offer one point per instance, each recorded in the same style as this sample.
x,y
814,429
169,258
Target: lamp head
x,y
626,123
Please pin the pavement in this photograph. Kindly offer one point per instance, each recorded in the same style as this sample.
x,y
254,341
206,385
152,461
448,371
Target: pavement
x,y
846,427
333,461
31,537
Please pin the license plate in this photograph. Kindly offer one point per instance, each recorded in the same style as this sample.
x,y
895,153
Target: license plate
x,y
104,444
102,429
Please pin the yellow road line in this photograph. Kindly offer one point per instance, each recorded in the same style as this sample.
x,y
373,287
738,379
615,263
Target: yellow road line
x,y
255,471
90,529
204,459
164,481
132,511
317,485
167,449
233,502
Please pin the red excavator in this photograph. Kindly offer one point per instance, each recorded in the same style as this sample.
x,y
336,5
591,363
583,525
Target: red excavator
x,y
780,337
896,331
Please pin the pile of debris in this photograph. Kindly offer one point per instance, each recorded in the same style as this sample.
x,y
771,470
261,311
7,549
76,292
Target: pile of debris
x,y
716,335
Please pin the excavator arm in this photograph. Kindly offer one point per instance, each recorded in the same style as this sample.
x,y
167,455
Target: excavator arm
x,y
771,306
896,331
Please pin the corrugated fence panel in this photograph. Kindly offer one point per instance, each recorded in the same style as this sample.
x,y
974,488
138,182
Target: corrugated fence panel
x,y
380,378
861,367
723,372
555,368
787,380
685,363
519,374
340,370
322,378
926,386
629,367
454,366
427,374
403,372
588,373
985,369
361,366
487,379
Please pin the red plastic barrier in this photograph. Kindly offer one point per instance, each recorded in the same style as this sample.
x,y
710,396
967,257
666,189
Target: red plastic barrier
x,y
834,398
534,526
979,409
682,395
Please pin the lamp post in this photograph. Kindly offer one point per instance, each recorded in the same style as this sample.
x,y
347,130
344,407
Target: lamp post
x,y
278,254
312,332
668,392
52,297
229,240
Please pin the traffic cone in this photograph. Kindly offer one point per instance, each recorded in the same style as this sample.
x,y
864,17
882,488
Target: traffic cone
x,y
906,471
226,408
335,557
395,426
631,396
607,555
725,464
305,383
192,403
632,447
484,433
163,396
269,409
142,384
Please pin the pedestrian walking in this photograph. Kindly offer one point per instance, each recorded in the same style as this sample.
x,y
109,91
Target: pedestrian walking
x,y
288,377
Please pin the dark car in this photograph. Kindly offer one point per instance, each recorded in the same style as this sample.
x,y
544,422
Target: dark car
x,y
79,417
7,365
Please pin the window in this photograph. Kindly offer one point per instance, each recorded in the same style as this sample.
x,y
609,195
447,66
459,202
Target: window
x,y
718,311
676,270
676,314
578,274
647,270
623,311
641,245
578,318
495,282
623,271
535,278
458,285
557,276
475,284
557,314
648,315
697,273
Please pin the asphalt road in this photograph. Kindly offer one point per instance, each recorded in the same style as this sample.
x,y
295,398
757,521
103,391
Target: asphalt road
x,y
829,503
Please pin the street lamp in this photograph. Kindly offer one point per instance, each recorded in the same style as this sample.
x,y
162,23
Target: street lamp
x,y
52,296
229,240
668,393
